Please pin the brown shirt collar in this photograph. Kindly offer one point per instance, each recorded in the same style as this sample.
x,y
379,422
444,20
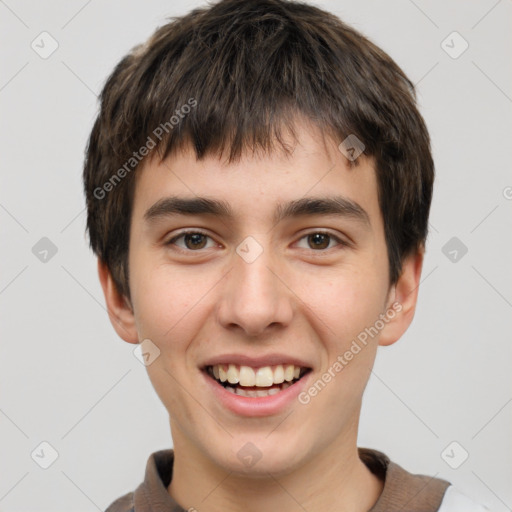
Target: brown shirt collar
x,y
403,491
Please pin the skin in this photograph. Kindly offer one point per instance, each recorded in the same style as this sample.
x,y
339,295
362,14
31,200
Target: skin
x,y
294,298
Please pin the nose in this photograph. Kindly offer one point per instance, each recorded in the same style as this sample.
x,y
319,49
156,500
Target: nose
x,y
254,297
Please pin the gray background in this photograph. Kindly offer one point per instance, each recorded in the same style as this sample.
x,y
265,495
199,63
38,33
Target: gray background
x,y
67,379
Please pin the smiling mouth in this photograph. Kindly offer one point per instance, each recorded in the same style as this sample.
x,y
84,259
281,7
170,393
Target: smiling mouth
x,y
256,382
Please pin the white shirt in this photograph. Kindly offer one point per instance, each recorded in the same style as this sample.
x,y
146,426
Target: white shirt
x,y
455,501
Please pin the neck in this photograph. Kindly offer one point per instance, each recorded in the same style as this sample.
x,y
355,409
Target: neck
x,y
333,479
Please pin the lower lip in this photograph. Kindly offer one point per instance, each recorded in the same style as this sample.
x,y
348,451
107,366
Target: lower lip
x,y
256,406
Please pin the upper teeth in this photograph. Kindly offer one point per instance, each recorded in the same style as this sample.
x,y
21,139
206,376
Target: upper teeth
x,y
261,377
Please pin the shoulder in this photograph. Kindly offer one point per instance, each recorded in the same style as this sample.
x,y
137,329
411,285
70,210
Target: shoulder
x,y
152,492
455,501
122,504
403,490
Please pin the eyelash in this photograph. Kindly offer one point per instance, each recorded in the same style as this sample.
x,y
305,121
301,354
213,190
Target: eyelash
x,y
341,242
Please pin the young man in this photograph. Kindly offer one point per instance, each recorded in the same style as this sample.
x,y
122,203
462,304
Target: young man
x,y
258,187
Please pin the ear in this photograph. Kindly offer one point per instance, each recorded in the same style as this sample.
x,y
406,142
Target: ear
x,y
402,299
119,309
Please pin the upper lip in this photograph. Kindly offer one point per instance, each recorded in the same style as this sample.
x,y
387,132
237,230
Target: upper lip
x,y
255,361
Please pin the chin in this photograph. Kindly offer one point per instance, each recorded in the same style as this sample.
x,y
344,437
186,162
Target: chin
x,y
258,457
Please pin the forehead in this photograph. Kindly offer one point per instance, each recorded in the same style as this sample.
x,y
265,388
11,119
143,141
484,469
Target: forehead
x,y
261,185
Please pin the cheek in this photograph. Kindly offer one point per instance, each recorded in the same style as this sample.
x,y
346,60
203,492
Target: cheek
x,y
167,312
164,300
348,306
349,302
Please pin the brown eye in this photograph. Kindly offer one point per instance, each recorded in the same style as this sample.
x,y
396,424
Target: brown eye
x,y
322,242
319,240
193,240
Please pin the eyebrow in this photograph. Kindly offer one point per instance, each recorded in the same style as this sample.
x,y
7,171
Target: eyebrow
x,y
334,205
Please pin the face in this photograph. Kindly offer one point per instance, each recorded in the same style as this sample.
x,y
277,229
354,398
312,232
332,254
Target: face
x,y
262,280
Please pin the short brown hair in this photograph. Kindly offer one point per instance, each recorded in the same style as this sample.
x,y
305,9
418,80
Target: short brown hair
x,y
252,66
